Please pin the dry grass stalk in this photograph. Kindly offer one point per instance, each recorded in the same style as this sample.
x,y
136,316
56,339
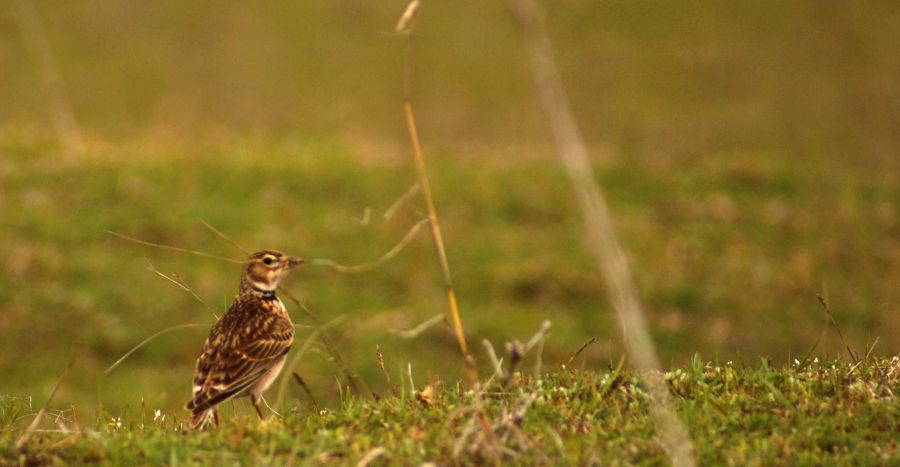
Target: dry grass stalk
x,y
517,352
224,237
319,331
391,211
539,336
43,412
357,383
419,329
600,237
373,454
505,441
435,230
181,285
405,25
147,340
379,357
496,363
356,269
171,248
35,38
412,384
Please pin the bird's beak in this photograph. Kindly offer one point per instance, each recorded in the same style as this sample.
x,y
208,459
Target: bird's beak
x,y
294,261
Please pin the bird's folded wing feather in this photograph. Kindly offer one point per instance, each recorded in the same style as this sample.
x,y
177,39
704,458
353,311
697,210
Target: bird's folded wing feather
x,y
234,360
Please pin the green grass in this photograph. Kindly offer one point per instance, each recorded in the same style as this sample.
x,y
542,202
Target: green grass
x,y
807,413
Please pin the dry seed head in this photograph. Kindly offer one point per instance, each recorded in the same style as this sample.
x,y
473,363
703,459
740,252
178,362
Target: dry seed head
x,y
405,23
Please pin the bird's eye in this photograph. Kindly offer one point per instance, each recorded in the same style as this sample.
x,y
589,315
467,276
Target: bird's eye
x,y
268,260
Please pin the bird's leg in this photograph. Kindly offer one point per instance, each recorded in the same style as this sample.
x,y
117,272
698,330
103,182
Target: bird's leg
x,y
216,416
255,401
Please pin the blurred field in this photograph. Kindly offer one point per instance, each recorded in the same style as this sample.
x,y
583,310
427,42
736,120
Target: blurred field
x,y
749,151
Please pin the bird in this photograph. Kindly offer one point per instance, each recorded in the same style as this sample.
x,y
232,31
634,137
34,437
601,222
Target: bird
x,y
247,346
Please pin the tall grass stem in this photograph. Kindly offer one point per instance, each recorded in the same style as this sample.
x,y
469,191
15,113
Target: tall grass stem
x,y
405,26
599,234
38,45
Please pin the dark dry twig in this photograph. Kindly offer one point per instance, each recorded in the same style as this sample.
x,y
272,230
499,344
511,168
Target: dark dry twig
x,y
303,385
806,357
580,349
872,348
836,328
517,351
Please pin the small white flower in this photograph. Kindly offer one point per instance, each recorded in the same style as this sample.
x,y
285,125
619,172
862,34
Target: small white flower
x,y
156,414
796,362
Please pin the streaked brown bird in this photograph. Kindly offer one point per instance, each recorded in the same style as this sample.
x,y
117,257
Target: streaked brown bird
x,y
247,346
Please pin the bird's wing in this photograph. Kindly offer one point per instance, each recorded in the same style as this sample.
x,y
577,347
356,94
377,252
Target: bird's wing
x,y
240,349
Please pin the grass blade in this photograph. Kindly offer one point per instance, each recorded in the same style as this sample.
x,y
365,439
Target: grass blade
x,y
600,236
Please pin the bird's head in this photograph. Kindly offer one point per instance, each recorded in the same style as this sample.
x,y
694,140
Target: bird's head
x,y
265,269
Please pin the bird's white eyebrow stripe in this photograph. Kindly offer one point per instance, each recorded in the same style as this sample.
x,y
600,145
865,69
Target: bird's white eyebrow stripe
x,y
262,286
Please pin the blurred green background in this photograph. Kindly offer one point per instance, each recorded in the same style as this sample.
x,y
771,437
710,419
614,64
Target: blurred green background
x,y
749,151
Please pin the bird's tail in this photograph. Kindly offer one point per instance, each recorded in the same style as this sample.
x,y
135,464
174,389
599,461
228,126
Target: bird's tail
x,y
199,419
